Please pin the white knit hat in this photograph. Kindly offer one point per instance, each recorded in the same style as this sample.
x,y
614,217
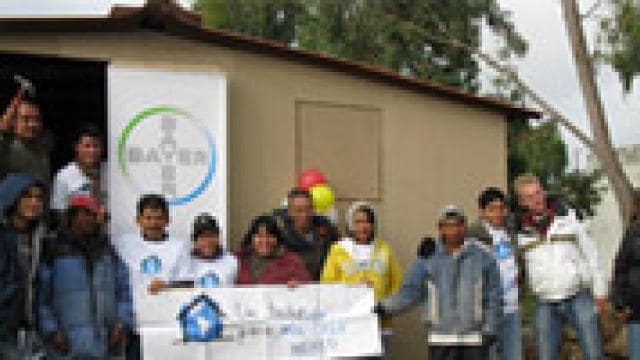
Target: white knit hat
x,y
352,210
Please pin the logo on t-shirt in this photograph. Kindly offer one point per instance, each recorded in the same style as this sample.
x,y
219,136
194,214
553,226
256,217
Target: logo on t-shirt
x,y
502,250
151,265
209,280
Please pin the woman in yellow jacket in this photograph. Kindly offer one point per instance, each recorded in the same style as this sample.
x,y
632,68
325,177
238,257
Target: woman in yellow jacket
x,y
362,258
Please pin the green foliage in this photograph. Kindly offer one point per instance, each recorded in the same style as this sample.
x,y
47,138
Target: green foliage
x,y
214,12
582,190
619,43
273,19
403,35
534,149
542,151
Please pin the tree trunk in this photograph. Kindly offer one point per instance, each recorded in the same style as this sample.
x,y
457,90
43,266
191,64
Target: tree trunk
x,y
603,148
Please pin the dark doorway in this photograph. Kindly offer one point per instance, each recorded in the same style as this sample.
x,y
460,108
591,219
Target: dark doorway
x,y
70,93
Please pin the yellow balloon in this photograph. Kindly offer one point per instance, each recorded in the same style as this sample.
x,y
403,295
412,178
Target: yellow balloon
x,y
322,197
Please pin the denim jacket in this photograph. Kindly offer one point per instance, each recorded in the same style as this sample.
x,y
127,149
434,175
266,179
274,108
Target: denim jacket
x,y
84,298
461,295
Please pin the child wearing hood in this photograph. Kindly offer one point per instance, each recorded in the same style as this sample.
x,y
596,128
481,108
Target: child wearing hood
x,y
22,234
364,258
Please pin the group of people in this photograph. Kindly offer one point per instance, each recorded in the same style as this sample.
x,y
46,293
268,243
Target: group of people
x,y
68,290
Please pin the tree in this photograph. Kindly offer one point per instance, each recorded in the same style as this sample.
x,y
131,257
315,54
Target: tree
x,y
619,41
622,187
539,150
273,19
600,144
428,39
392,33
582,191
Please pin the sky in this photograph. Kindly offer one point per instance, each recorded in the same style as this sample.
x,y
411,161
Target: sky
x,y
549,69
548,66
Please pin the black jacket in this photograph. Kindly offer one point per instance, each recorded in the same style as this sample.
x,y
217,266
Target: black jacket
x,y
626,279
14,279
314,252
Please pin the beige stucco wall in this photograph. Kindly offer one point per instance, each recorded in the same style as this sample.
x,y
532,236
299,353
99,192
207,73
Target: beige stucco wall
x,y
434,152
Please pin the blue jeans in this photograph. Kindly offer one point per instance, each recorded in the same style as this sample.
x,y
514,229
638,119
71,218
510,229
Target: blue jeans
x,y
386,346
458,353
580,311
633,340
509,344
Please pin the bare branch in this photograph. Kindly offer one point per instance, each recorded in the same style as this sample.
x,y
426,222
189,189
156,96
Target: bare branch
x,y
550,111
512,76
622,188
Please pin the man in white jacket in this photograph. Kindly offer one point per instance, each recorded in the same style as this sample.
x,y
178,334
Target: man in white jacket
x,y
562,270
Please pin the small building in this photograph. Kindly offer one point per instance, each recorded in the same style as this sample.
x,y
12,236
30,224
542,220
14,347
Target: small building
x,y
409,146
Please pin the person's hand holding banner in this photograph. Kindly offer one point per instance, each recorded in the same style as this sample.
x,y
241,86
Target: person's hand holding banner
x,y
60,343
116,335
156,285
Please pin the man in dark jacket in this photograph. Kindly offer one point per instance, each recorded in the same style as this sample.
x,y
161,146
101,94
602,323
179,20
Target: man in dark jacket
x,y
21,236
626,286
308,235
85,299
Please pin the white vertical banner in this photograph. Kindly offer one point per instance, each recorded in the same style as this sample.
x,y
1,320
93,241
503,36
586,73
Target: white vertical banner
x,y
167,135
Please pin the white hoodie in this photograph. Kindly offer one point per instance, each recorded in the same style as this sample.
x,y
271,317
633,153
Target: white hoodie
x,y
564,261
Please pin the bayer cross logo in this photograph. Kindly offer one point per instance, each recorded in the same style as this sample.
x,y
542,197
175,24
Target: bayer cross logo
x,y
165,149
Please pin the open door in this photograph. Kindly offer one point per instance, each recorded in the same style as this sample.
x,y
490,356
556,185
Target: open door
x,y
166,131
70,93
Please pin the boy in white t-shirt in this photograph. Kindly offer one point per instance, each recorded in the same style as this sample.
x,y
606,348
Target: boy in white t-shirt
x,y
210,265
85,174
153,257
491,229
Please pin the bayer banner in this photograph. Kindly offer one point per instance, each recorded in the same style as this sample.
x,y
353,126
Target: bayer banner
x,y
308,322
167,135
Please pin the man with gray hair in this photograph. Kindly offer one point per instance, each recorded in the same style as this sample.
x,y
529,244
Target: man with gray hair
x,y
562,268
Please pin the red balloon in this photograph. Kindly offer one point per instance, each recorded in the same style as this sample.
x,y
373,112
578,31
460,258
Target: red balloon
x,y
311,177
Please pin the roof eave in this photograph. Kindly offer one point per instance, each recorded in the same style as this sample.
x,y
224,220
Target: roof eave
x,y
166,17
